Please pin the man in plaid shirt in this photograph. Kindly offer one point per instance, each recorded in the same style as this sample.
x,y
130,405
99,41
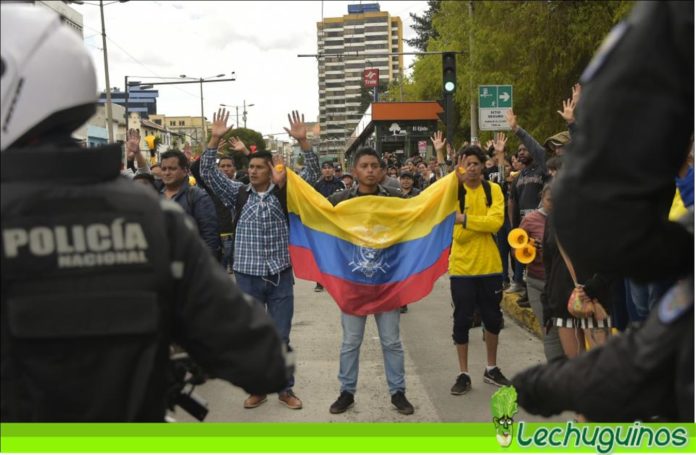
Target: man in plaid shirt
x,y
261,258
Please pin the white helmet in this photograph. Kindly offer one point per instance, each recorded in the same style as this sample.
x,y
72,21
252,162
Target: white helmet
x,y
49,85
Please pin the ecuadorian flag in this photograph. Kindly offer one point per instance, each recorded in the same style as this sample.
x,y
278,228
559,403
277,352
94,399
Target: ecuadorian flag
x,y
372,253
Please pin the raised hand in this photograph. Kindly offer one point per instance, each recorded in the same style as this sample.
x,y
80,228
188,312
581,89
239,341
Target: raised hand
x,y
500,139
460,169
222,145
489,144
238,146
132,142
577,90
511,119
438,140
187,151
298,130
568,112
279,173
219,127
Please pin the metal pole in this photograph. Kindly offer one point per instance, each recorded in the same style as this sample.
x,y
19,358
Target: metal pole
x,y
236,108
203,137
473,111
109,116
125,84
244,116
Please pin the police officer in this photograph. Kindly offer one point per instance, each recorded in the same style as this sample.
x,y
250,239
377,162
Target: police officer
x,y
635,120
99,275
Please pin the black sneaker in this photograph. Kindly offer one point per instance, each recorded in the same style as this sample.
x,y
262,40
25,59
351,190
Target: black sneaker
x,y
318,288
344,401
523,302
462,385
495,377
399,400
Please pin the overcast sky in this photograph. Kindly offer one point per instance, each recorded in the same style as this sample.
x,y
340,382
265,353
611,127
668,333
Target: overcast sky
x,y
258,40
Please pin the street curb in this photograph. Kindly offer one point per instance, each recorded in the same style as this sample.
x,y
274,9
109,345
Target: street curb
x,y
523,316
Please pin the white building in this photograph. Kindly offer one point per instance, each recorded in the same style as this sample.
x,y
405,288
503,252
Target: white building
x,y
363,32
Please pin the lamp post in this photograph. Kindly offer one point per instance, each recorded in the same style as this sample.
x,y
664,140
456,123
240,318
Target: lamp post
x,y
236,109
244,113
193,80
201,80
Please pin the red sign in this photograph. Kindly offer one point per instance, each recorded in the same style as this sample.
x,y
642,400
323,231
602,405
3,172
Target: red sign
x,y
252,148
371,77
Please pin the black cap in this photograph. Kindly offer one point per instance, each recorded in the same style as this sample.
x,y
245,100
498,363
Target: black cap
x,y
407,174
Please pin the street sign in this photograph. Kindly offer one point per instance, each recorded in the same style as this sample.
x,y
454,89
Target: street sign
x,y
494,100
371,77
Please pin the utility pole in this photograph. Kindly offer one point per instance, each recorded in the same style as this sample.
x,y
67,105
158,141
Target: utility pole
x,y
244,114
109,115
203,128
472,104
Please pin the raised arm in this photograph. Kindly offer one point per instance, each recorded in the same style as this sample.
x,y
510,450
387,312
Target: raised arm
x,y
225,189
298,131
133,148
535,149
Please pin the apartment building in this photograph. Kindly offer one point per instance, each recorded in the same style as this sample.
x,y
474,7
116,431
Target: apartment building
x,y
363,38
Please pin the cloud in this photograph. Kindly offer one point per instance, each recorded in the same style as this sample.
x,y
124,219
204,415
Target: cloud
x,y
259,41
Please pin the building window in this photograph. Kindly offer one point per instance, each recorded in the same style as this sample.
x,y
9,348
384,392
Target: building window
x,y
182,123
172,123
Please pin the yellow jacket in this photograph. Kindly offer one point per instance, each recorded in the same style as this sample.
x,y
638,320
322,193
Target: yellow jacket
x,y
474,249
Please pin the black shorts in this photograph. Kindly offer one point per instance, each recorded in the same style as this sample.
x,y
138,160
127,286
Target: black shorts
x,y
484,292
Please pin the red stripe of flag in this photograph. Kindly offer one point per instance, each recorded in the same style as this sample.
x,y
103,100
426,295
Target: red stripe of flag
x,y
363,299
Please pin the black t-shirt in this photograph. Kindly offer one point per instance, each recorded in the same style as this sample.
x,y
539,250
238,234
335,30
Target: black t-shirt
x,y
525,190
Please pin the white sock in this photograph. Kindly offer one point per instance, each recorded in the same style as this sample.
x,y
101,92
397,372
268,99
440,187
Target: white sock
x,y
489,368
464,372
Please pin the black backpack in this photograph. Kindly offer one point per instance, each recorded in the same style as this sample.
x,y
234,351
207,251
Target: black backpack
x,y
461,194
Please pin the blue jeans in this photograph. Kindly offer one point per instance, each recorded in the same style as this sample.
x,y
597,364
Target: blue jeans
x,y
642,298
353,331
507,255
227,251
275,293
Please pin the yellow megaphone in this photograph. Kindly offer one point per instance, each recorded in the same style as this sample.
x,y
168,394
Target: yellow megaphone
x,y
526,254
518,238
150,141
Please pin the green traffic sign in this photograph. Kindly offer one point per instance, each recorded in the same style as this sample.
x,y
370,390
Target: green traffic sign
x,y
495,96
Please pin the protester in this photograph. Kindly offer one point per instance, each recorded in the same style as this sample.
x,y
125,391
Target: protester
x,y
534,224
368,171
195,201
261,260
86,333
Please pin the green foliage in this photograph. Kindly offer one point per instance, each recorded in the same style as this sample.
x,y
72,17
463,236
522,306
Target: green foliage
x,y
504,402
541,48
249,137
423,25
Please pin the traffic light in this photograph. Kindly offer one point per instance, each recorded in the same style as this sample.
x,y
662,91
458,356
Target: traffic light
x,y
449,72
449,86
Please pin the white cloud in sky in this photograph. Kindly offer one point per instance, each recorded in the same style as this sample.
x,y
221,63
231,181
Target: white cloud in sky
x,y
258,40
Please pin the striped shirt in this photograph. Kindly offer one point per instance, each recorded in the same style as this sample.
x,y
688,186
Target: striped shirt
x,y
261,241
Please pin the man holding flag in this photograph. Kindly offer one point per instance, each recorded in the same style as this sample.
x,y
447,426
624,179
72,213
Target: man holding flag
x,y
374,253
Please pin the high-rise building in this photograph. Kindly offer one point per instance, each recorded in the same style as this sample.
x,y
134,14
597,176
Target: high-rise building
x,y
347,46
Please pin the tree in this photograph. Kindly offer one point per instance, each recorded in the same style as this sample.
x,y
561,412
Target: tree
x,y
423,25
541,48
249,137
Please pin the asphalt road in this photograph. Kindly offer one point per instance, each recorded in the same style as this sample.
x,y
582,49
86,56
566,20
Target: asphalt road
x,y
431,368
